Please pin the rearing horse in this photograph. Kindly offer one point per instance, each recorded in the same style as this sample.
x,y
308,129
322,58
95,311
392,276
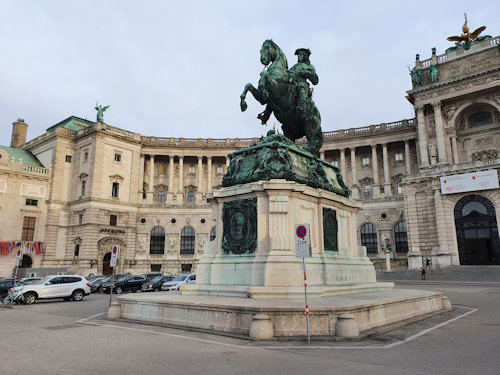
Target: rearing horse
x,y
277,89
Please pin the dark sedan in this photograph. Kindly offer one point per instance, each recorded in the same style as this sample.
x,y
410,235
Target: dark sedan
x,y
123,284
155,283
7,284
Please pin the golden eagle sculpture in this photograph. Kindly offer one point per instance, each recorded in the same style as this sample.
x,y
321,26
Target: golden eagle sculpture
x,y
466,38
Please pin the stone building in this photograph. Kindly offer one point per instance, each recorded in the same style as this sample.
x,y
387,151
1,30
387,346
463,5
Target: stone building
x,y
105,185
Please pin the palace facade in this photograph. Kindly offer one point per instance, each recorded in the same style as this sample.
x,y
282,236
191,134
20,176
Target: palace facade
x,y
71,193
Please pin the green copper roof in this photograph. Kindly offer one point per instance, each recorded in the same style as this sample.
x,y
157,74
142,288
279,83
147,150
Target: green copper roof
x,y
73,123
27,157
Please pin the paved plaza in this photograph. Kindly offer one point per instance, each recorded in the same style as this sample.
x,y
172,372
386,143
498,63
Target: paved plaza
x,y
75,338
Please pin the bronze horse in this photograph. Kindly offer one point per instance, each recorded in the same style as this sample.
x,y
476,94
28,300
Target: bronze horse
x,y
278,90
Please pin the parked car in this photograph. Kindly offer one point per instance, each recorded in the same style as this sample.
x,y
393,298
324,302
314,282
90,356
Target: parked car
x,y
31,280
67,287
155,283
180,280
150,276
96,285
6,284
123,284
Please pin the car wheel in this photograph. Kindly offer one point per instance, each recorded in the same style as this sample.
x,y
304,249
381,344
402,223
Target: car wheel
x,y
157,289
77,295
66,298
118,290
30,298
99,290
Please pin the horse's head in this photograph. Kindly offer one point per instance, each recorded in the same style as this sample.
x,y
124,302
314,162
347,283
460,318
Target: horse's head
x,y
268,52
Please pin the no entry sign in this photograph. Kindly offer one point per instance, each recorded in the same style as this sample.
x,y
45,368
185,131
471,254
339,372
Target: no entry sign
x,y
114,255
302,241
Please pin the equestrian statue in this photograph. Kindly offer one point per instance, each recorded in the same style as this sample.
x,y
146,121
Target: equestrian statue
x,y
287,94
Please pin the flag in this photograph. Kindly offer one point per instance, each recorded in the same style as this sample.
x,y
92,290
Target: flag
x,y
3,248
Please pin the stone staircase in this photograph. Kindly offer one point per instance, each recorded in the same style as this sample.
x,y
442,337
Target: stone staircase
x,y
489,274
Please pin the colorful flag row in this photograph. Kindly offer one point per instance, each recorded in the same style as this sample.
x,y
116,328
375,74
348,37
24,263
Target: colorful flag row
x,y
26,247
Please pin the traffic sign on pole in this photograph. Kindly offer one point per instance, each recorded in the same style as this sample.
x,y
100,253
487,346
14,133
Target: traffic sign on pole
x,y
302,241
114,255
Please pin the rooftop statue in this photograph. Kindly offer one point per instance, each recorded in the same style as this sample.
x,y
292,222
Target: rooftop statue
x,y
287,94
100,110
466,38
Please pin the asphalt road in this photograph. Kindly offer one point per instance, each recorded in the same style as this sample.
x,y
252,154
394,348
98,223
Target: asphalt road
x,y
59,337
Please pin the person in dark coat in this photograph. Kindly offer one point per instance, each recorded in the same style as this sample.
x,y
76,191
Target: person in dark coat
x,y
422,273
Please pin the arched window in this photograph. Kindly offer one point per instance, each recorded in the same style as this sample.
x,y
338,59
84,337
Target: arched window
x,y
187,240
157,241
401,237
369,238
212,234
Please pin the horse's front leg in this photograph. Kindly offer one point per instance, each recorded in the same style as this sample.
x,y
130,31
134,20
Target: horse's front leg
x,y
256,94
243,104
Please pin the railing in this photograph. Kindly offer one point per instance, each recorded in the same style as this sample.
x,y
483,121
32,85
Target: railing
x,y
397,125
495,41
440,58
119,131
19,166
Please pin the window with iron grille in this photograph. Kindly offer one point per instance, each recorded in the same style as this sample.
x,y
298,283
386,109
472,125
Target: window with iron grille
x,y
369,238
157,241
401,237
187,240
28,228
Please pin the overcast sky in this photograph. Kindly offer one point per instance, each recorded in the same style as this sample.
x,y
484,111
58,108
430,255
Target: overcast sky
x,y
177,68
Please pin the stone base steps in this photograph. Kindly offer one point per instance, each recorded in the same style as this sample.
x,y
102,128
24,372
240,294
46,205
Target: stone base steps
x,y
235,315
454,273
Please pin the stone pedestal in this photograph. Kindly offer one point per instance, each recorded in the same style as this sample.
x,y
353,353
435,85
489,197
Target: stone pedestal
x,y
254,252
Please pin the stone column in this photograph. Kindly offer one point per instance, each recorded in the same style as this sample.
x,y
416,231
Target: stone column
x,y
407,156
151,181
180,188
209,174
322,155
342,162
440,255
414,255
228,161
440,137
422,138
354,172
454,148
387,178
141,178
199,191
376,181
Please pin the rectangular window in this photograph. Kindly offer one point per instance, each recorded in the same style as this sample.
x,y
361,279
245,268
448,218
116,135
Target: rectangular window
x,y
83,189
156,268
28,228
335,163
367,190
399,189
85,156
220,169
366,160
68,158
118,157
31,202
161,196
113,219
192,169
398,156
115,189
190,197
186,267
80,219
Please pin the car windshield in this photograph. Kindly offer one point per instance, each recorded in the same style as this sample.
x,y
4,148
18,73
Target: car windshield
x,y
155,279
43,281
95,281
122,278
20,283
181,278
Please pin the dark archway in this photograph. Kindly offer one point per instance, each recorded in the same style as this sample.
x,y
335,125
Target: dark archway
x,y
106,268
477,231
26,262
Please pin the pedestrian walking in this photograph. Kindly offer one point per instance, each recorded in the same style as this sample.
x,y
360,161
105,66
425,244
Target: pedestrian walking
x,y
427,262
422,273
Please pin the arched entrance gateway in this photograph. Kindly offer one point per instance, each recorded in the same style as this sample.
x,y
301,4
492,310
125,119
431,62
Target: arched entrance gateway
x,y
477,231
105,245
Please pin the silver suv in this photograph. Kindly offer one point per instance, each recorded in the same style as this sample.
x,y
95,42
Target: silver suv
x,y
67,287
